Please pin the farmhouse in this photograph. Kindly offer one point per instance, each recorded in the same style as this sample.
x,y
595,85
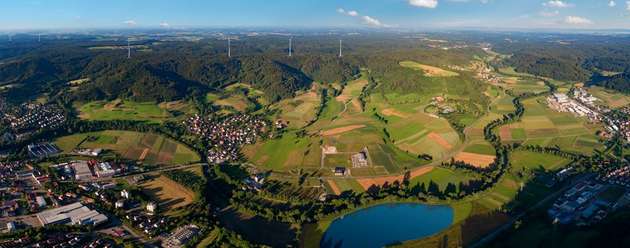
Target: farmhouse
x,y
360,159
340,171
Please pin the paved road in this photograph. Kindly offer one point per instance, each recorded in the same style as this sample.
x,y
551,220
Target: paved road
x,y
499,230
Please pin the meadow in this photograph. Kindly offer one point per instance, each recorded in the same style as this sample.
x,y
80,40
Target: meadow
x,y
130,110
149,148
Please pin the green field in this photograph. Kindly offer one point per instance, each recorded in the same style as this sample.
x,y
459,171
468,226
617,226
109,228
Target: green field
x,y
545,127
150,148
610,98
442,176
130,110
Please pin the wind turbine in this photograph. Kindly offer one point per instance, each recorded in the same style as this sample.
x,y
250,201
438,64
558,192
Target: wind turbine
x,y
39,37
290,46
128,49
340,45
229,47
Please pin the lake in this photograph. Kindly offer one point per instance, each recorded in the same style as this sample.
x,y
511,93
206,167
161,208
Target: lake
x,y
387,224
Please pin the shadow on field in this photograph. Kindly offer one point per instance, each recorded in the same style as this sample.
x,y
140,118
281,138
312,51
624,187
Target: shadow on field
x,y
258,229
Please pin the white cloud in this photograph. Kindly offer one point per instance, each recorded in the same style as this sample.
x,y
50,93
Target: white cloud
x,y
612,4
130,22
557,4
549,13
628,5
367,20
576,20
164,24
432,4
372,21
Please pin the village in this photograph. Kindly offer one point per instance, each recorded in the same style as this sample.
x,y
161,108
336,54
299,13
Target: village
x,y
28,119
227,136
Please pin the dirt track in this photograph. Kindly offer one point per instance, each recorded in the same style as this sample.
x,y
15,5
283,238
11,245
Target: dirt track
x,y
393,112
334,187
341,130
441,141
478,160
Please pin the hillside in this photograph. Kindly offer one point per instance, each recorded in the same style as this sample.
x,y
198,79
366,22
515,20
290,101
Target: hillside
x,y
619,82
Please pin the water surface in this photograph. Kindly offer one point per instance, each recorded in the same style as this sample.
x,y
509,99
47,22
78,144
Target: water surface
x,y
386,224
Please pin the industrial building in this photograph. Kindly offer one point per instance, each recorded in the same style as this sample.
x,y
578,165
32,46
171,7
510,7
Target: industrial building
x,y
72,214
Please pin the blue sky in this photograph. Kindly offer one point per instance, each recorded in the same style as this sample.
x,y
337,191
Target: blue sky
x,y
43,14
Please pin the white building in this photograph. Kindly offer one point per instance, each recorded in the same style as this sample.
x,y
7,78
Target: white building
x,y
105,169
125,194
152,207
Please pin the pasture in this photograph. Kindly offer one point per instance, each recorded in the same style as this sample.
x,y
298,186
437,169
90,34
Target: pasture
x,y
146,147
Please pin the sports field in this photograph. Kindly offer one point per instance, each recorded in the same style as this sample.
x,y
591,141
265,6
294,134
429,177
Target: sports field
x,y
150,148
130,110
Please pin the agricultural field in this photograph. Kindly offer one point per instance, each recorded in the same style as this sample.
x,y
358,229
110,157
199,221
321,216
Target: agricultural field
x,y
130,110
237,98
442,177
545,127
416,132
168,193
342,125
610,98
429,71
300,110
146,147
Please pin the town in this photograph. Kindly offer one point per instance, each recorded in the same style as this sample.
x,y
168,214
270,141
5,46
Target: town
x,y
582,104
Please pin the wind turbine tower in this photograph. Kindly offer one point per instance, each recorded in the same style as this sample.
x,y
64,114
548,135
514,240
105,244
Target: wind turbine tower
x,y
290,47
39,37
128,49
340,46
229,47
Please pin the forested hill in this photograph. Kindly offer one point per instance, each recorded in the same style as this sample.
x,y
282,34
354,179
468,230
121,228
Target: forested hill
x,y
156,76
619,82
576,57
